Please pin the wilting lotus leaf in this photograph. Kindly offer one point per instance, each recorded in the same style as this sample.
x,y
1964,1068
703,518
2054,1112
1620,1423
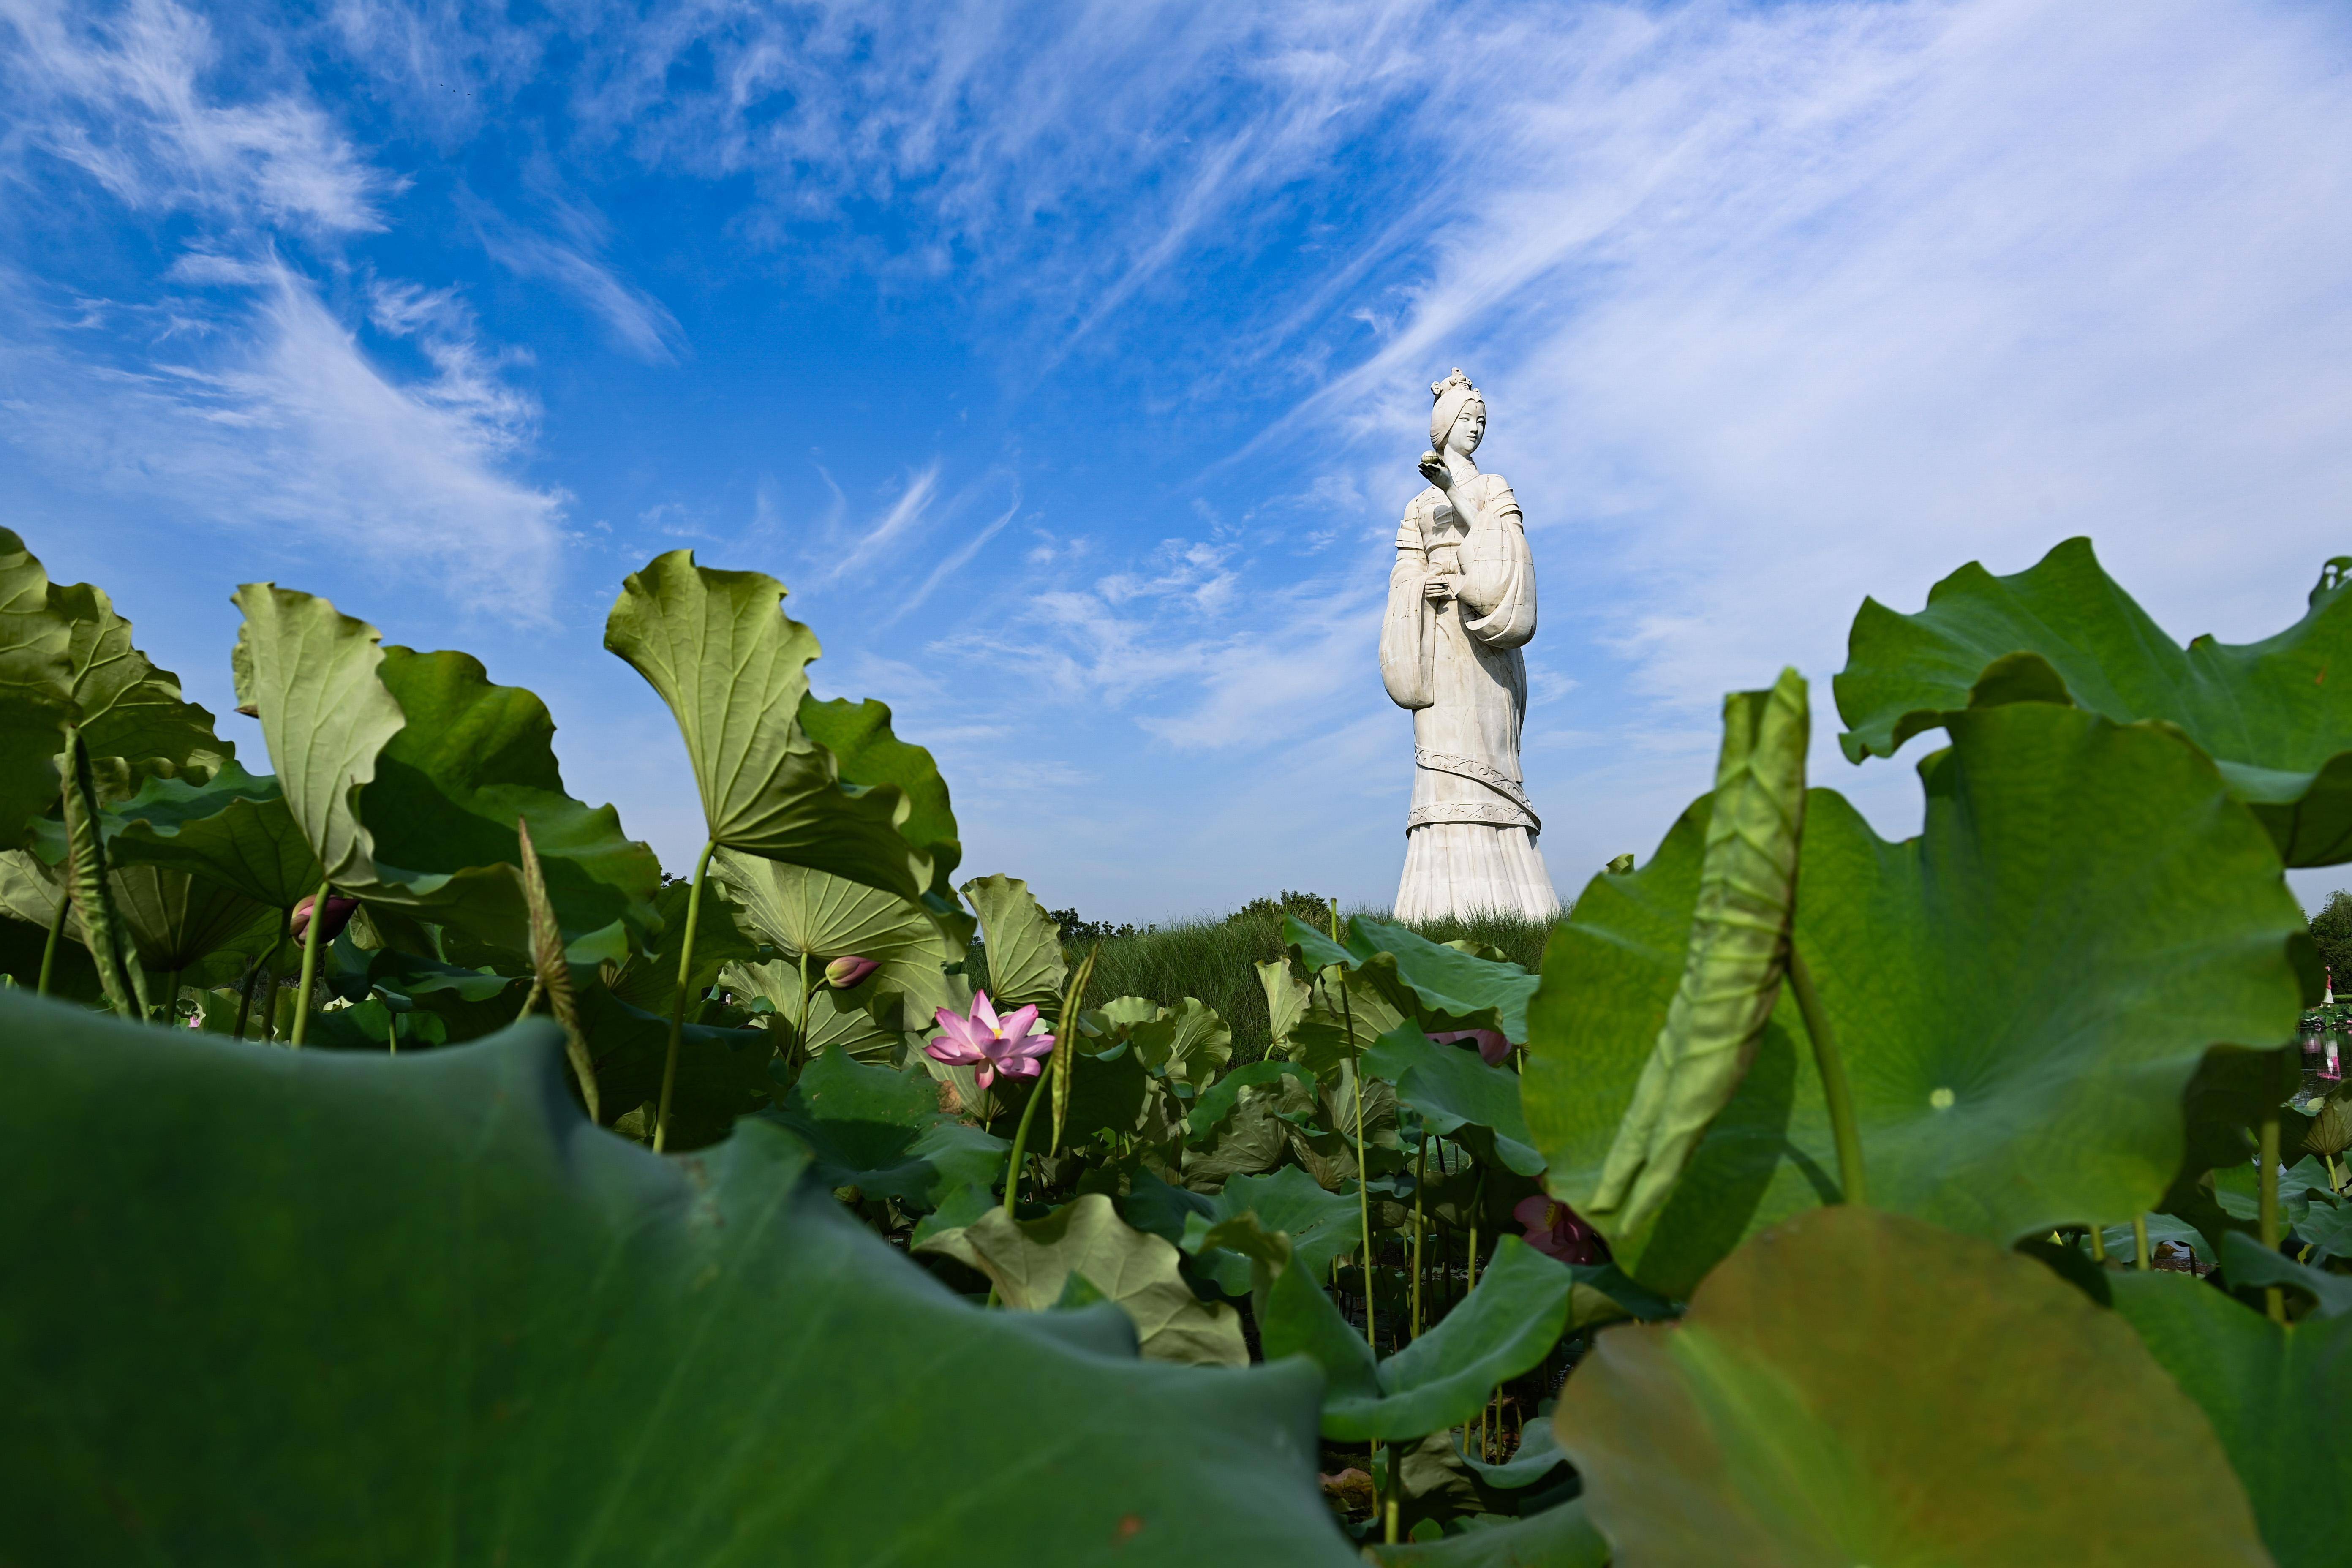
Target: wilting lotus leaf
x,y
2085,906
309,674
1857,1387
734,670
1560,1537
1738,951
1032,1262
1459,1095
448,789
1504,1326
798,910
393,1260
882,1132
232,828
858,735
2275,1397
1024,948
2063,629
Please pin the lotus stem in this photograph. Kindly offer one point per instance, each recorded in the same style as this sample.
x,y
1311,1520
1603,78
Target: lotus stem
x,y
678,1003
49,949
1853,1186
2098,1245
1420,1176
310,940
2139,1240
260,967
1021,1142
2267,1222
1389,1501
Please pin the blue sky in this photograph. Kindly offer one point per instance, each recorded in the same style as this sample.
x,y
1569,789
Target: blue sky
x,y
1069,361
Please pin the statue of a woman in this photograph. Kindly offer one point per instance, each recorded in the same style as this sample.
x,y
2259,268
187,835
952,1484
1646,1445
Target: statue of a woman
x,y
1461,603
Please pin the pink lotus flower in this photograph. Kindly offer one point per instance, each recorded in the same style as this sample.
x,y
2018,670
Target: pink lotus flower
x,y
995,1047
1492,1047
1553,1228
848,970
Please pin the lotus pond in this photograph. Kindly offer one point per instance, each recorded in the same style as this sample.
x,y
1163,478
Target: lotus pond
x,y
403,1168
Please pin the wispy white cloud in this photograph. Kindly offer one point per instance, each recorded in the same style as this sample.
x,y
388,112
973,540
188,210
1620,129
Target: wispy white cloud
x,y
636,321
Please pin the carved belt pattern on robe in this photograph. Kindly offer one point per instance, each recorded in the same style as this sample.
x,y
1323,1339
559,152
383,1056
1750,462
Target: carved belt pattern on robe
x,y
1517,814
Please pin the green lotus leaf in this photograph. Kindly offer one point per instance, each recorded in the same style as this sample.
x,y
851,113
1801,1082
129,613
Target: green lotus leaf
x,y
1504,1327
2274,1394
374,1264
232,829
23,945
858,735
31,889
132,716
648,978
2263,710
1459,1095
1286,1002
1738,951
2327,1227
1253,1138
1830,1397
35,691
838,1020
1219,1100
176,920
733,668
798,910
1537,1456
1032,1262
446,792
1441,984
882,1132
309,674
1320,1225
1561,1537
2248,1263
1025,965
2085,906
1110,1092
722,1074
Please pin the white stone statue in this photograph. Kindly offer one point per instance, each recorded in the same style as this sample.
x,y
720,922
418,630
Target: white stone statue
x,y
1461,603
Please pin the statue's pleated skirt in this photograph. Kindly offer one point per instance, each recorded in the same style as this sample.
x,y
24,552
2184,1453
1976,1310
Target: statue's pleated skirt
x,y
1454,869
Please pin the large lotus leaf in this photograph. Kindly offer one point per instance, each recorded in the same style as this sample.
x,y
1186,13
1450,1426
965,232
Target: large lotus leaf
x,y
734,670
836,1020
2086,906
798,910
2247,1263
1459,1095
1218,1101
1537,1456
35,691
882,1132
1504,1327
648,979
132,716
31,890
1253,1138
1320,1225
1198,1042
1857,1387
858,735
177,920
232,828
1032,1263
1025,965
472,760
309,673
1347,1012
1286,1002
1560,1537
1110,1093
2275,1395
331,1307
1444,986
722,1074
1738,951
2263,710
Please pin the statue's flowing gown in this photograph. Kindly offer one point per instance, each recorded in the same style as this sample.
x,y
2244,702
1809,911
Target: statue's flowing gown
x,y
1470,838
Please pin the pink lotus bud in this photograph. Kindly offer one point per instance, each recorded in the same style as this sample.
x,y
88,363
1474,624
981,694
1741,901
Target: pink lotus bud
x,y
339,915
848,970
1492,1047
1558,1230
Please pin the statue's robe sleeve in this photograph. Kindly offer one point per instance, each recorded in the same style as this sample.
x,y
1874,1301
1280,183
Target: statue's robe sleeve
x,y
1498,574
1409,634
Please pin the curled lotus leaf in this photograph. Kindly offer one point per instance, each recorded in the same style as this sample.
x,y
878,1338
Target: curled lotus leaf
x,y
1025,965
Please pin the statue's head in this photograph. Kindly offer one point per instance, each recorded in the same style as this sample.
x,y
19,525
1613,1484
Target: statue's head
x,y
1457,419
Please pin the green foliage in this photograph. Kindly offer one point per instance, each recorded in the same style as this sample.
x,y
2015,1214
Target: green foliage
x,y
2063,630
1834,1394
2085,907
2331,933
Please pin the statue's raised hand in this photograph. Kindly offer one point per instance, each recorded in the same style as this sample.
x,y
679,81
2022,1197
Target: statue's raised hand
x,y
1433,469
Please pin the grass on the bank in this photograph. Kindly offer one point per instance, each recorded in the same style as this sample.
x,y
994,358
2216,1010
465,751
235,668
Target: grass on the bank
x,y
1214,958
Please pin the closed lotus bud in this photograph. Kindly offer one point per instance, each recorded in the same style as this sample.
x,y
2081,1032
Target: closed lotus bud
x,y
848,970
2331,1130
339,915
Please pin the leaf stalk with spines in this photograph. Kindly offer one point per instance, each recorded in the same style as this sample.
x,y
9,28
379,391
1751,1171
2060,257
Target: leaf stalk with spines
x,y
312,934
1063,1063
119,974
678,1003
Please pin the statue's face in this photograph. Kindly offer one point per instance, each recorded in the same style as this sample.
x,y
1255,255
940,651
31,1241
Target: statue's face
x,y
1469,427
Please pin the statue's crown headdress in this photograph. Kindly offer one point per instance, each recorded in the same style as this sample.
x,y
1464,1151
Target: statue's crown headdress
x,y
1440,388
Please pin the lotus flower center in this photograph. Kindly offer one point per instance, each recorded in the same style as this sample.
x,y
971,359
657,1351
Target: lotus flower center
x,y
1941,1099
